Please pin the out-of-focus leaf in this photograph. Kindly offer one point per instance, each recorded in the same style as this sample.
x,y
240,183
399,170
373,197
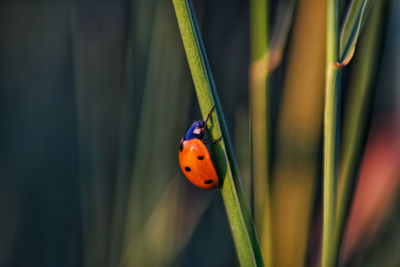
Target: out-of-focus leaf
x,y
295,169
351,29
280,32
99,94
355,121
259,121
157,139
168,228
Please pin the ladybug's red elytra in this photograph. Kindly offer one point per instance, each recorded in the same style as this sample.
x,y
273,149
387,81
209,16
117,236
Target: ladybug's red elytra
x,y
194,158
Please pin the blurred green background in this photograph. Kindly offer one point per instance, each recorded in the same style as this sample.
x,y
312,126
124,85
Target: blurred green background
x,y
95,96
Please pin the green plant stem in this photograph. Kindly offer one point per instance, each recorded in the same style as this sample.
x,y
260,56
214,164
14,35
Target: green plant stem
x,y
329,256
238,212
332,88
259,91
355,122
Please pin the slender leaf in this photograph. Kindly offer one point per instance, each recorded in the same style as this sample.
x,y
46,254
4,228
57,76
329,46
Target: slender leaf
x,y
351,29
297,144
259,105
355,119
280,32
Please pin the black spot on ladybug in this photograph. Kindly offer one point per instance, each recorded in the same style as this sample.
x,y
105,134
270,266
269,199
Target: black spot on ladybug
x,y
208,181
187,169
181,146
200,157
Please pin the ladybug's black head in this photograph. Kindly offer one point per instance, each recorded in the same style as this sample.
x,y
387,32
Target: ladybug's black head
x,y
196,130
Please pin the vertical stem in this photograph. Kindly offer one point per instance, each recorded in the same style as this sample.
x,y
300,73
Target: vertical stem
x,y
332,88
237,210
259,121
259,29
355,121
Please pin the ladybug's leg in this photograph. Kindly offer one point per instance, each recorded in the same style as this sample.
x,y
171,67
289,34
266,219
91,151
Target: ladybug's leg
x,y
208,116
206,141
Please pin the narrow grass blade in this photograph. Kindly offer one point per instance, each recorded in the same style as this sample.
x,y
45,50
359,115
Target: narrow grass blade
x,y
236,207
265,58
142,151
157,137
242,146
351,29
259,106
355,119
299,127
280,32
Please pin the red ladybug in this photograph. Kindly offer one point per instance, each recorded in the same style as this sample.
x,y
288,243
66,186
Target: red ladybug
x,y
194,158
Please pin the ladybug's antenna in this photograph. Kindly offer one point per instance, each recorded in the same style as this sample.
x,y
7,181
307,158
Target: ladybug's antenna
x,y
208,116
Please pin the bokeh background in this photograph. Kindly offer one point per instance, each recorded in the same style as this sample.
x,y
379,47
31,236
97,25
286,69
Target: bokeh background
x,y
95,96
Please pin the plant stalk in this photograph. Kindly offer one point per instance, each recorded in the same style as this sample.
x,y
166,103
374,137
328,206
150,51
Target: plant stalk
x,y
331,126
259,91
356,121
236,206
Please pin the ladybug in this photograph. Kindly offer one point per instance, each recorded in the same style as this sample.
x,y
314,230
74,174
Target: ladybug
x,y
194,158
